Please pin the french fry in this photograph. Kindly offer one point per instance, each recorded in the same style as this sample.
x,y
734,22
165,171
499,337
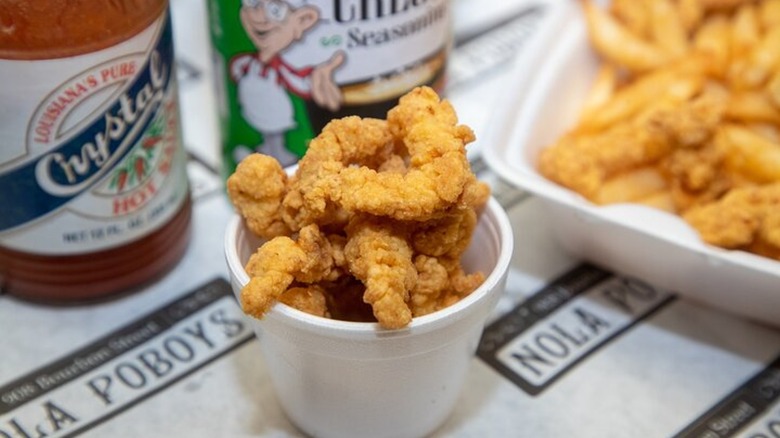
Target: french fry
x,y
769,131
757,66
752,106
719,5
769,13
716,90
713,41
745,30
617,44
631,186
633,14
684,112
662,200
749,154
603,88
668,30
773,89
660,85
691,14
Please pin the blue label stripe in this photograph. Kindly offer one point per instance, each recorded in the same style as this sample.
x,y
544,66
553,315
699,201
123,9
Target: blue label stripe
x,y
21,196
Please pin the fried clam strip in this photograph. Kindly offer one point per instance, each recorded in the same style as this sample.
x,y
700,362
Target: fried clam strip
x,y
256,189
281,261
746,218
695,166
438,248
438,169
310,299
379,255
584,162
342,143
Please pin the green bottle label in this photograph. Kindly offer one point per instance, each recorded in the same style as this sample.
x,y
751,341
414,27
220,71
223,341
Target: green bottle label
x,y
286,67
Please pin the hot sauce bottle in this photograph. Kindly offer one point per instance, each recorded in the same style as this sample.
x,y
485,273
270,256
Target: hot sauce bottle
x,y
94,198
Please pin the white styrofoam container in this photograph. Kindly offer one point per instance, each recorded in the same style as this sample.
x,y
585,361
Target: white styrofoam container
x,y
552,80
353,379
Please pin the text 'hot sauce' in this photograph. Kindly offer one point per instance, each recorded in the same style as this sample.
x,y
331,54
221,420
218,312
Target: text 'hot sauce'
x,y
93,184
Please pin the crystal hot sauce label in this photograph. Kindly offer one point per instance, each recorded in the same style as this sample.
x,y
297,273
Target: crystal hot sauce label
x,y
91,157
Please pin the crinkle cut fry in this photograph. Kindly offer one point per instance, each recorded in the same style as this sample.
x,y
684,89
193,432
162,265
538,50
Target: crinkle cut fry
x,y
438,167
379,255
282,260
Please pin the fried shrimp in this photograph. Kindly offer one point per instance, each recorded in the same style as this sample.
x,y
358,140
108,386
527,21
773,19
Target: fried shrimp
x,y
282,260
438,167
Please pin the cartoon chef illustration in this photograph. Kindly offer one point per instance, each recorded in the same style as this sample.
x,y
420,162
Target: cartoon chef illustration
x,y
264,79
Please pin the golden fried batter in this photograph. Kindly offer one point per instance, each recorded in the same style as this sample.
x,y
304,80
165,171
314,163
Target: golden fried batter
x,y
256,189
309,299
374,222
438,167
342,143
280,261
746,218
379,255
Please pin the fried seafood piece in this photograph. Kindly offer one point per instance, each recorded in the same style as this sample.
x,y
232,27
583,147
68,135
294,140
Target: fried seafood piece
x,y
746,218
475,194
690,124
372,225
438,169
583,163
282,260
697,176
379,255
342,143
461,284
438,246
256,189
310,299
441,282
447,236
432,283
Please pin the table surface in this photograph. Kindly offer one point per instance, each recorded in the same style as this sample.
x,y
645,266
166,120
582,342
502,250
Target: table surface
x,y
571,350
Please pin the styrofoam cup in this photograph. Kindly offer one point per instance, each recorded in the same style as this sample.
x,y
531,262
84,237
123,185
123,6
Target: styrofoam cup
x,y
349,379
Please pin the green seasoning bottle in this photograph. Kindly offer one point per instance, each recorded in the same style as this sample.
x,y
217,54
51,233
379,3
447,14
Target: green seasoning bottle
x,y
287,67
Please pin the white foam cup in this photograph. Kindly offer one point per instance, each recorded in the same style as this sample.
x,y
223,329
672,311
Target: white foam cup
x,y
350,379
